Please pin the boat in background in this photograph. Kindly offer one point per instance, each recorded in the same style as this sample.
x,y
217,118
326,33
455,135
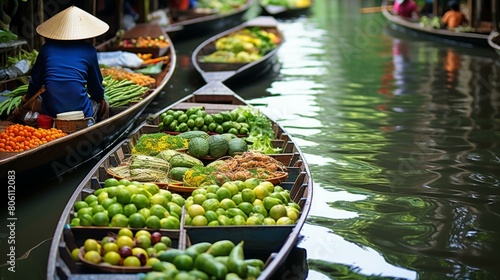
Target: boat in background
x,y
285,11
66,153
270,243
443,35
494,41
195,22
232,71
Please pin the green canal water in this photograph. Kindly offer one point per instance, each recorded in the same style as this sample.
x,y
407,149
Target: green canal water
x,y
401,134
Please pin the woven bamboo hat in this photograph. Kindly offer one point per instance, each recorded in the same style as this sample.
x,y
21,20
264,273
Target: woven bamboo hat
x,y
72,23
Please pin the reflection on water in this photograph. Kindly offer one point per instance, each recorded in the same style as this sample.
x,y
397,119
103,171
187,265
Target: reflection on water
x,y
401,135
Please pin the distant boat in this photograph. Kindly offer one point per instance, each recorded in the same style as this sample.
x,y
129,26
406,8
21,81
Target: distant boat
x,y
282,11
443,35
194,22
231,71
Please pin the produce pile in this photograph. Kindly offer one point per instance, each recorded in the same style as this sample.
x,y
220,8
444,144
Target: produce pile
x,y
218,6
122,92
13,99
219,260
143,42
124,249
243,46
19,138
124,203
249,202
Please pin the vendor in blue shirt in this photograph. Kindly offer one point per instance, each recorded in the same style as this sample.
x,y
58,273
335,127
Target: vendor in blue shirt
x,y
67,65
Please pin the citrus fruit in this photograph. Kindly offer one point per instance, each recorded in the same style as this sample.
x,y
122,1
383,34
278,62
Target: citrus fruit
x,y
119,220
199,221
284,221
166,193
90,244
110,247
129,209
210,204
80,204
224,220
260,191
136,220
248,195
253,220
152,261
140,200
93,257
145,212
227,203
246,207
231,186
269,221
177,199
195,210
212,188
277,211
75,222
223,192
212,196
251,183
153,222
158,211
199,198
166,240
238,220
132,188
112,191
183,262
199,191
90,198
112,258
102,196
107,202
131,261
160,246
151,188
125,232
98,192
74,254
213,223
84,210
115,208
123,196
157,199
86,220
124,240
174,208
167,223
260,209
124,182
269,202
268,185
110,182
211,216
143,240
100,219
237,198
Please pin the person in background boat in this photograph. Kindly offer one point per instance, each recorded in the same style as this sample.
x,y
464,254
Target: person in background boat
x,y
67,65
406,8
453,17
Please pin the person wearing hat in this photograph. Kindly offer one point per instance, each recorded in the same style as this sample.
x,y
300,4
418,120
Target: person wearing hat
x,y
67,65
406,8
453,17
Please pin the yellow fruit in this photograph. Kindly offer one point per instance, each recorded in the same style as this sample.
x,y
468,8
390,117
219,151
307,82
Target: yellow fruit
x,y
231,186
112,258
74,254
284,221
227,203
199,221
195,210
110,247
131,261
199,198
91,245
260,191
277,211
93,257
124,240
125,232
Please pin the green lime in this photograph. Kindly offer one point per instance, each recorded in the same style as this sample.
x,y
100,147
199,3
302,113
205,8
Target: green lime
x,y
100,219
183,262
119,220
129,209
153,222
199,221
136,220
115,208
140,200
110,182
86,220
80,204
90,198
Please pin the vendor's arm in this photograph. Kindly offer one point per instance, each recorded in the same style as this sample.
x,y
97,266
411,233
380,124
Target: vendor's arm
x,y
94,82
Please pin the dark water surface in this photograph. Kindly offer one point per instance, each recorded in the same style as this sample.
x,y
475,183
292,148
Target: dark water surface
x,y
401,134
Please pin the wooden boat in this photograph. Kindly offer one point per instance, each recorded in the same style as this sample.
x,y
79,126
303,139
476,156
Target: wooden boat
x,y
284,11
271,243
193,22
442,35
494,40
64,154
229,72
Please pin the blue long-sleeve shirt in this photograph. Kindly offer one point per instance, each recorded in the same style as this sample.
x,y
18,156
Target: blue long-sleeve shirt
x,y
71,74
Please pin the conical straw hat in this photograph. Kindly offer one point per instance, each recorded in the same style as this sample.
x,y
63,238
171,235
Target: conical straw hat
x,y
72,23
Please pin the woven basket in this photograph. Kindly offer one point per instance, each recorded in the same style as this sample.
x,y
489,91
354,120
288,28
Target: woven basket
x,y
70,126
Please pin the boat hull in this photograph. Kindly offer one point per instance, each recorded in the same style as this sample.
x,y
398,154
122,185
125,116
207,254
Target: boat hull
x,y
492,42
469,39
233,72
272,244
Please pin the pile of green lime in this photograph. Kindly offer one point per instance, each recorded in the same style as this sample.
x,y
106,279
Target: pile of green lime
x,y
124,203
125,248
249,202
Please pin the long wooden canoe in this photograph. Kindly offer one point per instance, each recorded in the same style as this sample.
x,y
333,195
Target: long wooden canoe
x,y
271,243
64,154
230,72
442,35
493,40
193,22
284,11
